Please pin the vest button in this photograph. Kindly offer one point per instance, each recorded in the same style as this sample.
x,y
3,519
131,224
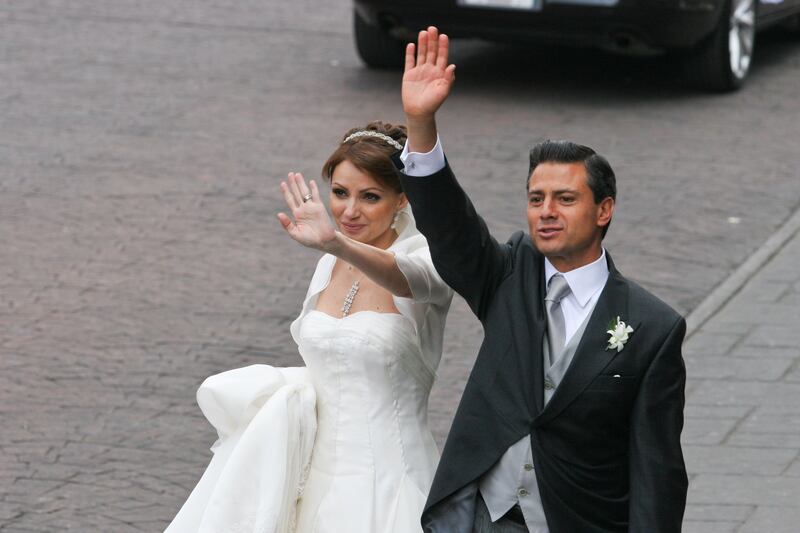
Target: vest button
x,y
548,385
522,492
528,467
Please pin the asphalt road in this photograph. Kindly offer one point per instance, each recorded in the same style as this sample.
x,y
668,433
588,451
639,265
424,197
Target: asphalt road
x,y
141,144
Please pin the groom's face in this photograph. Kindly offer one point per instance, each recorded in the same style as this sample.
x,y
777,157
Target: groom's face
x,y
564,220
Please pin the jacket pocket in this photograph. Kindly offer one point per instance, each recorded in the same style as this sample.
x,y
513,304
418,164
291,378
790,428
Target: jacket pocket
x,y
614,383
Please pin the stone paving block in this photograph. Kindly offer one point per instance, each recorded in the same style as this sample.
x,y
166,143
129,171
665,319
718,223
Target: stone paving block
x,y
67,520
762,291
696,410
13,528
793,375
745,393
774,519
752,315
707,431
714,367
58,471
703,343
713,513
789,352
780,272
716,526
744,490
765,440
31,452
8,512
725,327
782,419
794,469
34,488
792,299
734,458
770,335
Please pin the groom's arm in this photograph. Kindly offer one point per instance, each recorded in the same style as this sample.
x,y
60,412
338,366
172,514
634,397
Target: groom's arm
x,y
658,481
463,251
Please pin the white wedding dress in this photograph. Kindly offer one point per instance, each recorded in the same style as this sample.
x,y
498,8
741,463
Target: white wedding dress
x,y
374,456
343,445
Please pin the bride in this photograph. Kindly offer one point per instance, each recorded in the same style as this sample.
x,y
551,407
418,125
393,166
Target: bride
x,y
342,445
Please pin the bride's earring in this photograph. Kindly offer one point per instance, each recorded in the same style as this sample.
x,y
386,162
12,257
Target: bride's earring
x,y
394,220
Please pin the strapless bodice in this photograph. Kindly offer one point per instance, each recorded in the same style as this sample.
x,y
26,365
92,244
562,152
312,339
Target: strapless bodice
x,y
372,389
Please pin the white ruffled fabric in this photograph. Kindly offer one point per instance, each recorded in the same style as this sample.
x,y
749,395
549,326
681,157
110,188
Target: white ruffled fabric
x,y
266,421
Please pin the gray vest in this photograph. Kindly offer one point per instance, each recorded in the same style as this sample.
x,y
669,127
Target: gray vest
x,y
513,479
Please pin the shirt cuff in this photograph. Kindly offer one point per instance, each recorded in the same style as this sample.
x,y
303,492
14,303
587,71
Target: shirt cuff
x,y
418,164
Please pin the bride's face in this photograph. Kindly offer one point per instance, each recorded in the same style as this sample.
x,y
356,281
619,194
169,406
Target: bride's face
x,y
362,207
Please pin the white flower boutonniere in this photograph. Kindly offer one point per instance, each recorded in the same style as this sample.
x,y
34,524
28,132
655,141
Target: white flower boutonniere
x,y
619,332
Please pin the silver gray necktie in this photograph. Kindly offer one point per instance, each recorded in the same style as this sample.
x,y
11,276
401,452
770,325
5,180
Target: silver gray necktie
x,y
557,289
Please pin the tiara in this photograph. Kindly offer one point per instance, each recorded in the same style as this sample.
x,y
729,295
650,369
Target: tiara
x,y
369,133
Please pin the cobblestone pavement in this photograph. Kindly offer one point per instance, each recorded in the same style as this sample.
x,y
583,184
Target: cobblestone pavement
x,y
742,434
141,142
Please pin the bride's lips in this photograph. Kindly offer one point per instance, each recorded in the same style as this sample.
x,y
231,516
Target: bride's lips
x,y
352,228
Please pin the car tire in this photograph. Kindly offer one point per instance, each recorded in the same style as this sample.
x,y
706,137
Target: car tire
x,y
376,47
721,63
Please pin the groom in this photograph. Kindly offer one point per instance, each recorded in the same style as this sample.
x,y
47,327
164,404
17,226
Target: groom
x,y
571,419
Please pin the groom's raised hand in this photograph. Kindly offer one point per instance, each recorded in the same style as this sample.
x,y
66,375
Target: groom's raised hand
x,y
427,80
427,77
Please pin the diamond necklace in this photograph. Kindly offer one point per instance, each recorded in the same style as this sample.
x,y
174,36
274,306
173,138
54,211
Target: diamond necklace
x,y
351,295
348,300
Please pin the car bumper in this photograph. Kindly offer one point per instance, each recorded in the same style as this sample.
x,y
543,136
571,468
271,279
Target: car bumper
x,y
630,25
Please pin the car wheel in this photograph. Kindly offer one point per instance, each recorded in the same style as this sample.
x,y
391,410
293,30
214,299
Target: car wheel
x,y
723,61
376,47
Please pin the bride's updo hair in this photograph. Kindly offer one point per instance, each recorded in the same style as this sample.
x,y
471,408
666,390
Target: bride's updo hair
x,y
370,154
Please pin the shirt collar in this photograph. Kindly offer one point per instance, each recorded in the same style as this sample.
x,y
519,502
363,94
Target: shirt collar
x,y
584,282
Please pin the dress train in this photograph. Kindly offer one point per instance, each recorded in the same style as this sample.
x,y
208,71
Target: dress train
x,y
266,421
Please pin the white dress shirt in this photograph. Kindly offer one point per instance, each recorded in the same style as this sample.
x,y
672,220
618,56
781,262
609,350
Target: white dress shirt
x,y
512,479
585,283
418,164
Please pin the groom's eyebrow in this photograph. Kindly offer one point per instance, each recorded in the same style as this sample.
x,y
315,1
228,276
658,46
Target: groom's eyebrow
x,y
557,191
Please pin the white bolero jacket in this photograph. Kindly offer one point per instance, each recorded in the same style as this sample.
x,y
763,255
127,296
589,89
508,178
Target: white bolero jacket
x,y
426,309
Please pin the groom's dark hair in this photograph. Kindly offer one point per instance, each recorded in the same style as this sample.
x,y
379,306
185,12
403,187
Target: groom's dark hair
x,y
600,176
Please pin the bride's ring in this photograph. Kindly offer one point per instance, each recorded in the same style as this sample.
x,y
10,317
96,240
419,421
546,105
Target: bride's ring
x,y
307,197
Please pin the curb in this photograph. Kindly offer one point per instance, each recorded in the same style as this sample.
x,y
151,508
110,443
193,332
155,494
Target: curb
x,y
733,283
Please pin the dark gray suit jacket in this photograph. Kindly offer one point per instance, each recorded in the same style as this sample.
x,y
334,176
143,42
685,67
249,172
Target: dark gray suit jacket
x,y
606,449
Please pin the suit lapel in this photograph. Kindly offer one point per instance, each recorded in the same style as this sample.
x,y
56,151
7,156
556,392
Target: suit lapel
x,y
591,357
538,326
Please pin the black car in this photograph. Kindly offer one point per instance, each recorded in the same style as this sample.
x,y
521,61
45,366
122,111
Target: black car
x,y
716,36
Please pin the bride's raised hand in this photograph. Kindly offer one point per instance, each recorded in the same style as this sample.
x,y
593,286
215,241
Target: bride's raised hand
x,y
427,77
311,226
